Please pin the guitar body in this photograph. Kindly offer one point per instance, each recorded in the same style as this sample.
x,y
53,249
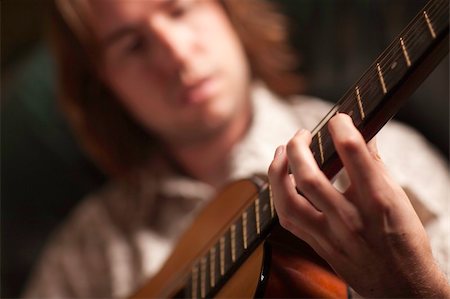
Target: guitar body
x,y
295,270
281,260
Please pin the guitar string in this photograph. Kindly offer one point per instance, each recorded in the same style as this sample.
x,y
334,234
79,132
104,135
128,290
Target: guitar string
x,y
412,27
347,101
386,59
415,48
442,19
371,91
348,97
409,35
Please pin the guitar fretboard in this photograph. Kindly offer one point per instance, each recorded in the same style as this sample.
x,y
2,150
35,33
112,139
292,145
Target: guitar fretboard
x,y
384,75
362,102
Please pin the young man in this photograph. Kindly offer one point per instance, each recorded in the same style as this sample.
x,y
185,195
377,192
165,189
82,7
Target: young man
x,y
174,99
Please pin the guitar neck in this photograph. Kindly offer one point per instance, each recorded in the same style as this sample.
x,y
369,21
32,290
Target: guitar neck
x,y
388,83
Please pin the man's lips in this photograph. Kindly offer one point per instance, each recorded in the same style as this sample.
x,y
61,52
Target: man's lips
x,y
200,90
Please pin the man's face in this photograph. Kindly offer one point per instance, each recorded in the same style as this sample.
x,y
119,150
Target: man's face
x,y
177,66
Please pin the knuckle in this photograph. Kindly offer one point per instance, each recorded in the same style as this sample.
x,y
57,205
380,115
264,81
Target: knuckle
x,y
353,222
377,196
285,222
310,181
350,143
355,227
380,201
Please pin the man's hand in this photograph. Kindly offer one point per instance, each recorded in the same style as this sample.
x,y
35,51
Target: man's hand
x,y
370,234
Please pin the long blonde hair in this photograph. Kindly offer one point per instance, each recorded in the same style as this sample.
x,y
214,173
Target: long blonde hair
x,y
109,135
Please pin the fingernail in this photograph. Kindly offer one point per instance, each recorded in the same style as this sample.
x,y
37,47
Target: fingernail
x,y
278,151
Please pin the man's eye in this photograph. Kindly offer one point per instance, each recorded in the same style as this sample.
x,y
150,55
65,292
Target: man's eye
x,y
180,9
136,44
177,12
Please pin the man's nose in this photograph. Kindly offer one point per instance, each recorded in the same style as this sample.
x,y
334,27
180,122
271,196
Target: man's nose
x,y
177,42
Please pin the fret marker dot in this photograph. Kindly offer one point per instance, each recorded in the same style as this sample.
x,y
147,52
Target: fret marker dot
x,y
394,65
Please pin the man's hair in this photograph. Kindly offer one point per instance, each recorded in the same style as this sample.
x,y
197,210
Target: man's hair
x,y
105,130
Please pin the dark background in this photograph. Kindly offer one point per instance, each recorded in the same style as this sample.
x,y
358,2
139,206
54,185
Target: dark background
x,y
43,172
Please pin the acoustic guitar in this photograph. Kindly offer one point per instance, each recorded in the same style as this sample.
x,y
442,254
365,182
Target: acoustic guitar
x,y
236,247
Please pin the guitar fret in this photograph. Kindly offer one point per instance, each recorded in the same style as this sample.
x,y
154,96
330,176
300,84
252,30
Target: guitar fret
x,y
244,229
405,52
212,266
380,76
258,221
272,209
314,146
222,256
430,26
360,105
233,242
319,140
203,277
